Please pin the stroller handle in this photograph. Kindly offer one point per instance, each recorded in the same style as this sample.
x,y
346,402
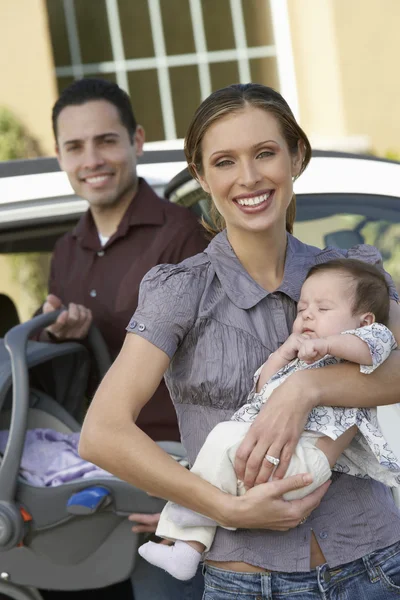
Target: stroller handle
x,y
16,341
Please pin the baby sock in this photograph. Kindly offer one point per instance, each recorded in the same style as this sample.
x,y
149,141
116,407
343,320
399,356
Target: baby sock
x,y
184,517
180,560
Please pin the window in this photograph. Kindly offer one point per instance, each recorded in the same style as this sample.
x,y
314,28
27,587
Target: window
x,y
165,47
345,221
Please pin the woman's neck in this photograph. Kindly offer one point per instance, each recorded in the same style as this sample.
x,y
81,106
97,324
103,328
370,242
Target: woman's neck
x,y
261,254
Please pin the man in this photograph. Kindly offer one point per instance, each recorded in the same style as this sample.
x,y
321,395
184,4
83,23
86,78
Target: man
x,y
97,268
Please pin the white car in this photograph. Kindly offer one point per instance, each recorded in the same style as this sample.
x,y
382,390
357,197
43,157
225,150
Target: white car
x,y
342,200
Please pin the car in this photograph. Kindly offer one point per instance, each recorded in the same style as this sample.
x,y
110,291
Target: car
x,y
37,203
342,200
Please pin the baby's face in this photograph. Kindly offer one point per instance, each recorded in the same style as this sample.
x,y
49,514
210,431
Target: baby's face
x,y
325,305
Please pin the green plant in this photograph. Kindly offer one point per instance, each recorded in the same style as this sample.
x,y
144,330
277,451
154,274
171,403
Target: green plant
x,y
392,155
15,142
28,270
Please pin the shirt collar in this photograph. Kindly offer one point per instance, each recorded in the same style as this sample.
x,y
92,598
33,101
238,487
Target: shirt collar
x,y
145,209
241,288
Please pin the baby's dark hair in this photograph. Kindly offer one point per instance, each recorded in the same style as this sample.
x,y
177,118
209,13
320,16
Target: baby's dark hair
x,y
371,293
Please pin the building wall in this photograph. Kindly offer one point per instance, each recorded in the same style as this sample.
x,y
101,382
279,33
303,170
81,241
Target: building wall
x,y
346,70
26,65
316,61
368,47
344,52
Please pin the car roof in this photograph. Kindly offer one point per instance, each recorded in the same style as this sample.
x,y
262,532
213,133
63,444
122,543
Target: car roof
x,y
38,204
35,191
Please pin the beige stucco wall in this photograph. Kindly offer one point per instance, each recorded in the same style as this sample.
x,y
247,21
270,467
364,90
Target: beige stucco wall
x,y
316,65
346,69
28,85
368,34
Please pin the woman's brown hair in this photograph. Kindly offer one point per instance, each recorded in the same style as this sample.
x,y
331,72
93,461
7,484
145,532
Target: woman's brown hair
x,y
229,100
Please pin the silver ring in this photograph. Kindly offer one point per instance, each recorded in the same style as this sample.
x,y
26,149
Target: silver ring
x,y
272,459
303,520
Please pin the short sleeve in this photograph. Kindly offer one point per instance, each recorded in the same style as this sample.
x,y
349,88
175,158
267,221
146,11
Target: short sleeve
x,y
168,305
371,255
380,342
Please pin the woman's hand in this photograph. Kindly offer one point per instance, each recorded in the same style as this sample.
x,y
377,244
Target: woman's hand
x,y
275,431
263,507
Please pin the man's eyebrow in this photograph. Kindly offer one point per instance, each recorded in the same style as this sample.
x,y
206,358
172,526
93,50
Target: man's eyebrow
x,y
253,146
71,142
97,138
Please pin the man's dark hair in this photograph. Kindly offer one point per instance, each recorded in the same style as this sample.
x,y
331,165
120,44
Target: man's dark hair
x,y
371,292
90,89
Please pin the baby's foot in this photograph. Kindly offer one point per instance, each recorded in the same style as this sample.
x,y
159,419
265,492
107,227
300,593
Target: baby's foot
x,y
184,517
180,560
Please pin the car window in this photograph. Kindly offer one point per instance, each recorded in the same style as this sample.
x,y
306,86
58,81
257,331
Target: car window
x,y
374,222
24,278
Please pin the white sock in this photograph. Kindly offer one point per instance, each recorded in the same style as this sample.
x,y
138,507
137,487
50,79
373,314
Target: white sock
x,y
180,560
184,517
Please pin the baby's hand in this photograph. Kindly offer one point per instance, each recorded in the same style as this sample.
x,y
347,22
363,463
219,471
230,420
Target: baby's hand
x,y
312,350
289,349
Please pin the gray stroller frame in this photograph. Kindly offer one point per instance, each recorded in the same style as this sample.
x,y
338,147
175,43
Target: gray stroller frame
x,y
49,537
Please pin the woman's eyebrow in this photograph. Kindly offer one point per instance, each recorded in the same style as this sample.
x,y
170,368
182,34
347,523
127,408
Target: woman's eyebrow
x,y
253,146
265,142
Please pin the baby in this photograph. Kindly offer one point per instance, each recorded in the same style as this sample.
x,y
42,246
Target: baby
x,y
341,313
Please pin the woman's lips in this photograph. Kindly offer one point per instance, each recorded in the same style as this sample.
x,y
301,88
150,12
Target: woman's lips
x,y
254,203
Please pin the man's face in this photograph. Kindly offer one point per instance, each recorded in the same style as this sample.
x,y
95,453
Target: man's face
x,y
94,149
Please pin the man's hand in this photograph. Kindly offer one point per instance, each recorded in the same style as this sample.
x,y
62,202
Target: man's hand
x,y
72,323
289,349
312,350
144,523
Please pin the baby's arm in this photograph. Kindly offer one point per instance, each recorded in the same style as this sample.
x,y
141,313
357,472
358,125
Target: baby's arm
x,y
346,346
280,358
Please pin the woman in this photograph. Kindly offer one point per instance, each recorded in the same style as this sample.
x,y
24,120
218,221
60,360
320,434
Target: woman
x,y
203,323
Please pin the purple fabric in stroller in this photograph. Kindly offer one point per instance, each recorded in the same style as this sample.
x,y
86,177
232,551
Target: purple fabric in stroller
x,y
51,458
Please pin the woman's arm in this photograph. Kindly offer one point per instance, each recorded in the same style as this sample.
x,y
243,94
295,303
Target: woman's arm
x,y
111,439
278,427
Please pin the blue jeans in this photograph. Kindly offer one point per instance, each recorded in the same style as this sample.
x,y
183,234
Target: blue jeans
x,y
373,577
152,583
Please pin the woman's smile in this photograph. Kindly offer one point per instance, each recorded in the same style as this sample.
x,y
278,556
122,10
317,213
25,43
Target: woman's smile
x,y
254,203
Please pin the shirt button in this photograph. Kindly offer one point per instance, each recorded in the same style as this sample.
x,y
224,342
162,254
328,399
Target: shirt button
x,y
323,535
133,324
93,293
142,327
100,253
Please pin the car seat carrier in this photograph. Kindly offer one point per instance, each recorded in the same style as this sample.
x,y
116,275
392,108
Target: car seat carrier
x,y
76,535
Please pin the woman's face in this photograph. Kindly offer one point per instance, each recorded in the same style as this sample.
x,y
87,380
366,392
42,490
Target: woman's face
x,y
248,170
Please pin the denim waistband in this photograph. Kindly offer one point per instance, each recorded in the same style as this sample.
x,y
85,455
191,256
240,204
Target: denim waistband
x,y
319,580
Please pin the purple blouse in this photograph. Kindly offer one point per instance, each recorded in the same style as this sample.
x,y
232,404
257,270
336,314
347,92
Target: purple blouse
x,y
218,326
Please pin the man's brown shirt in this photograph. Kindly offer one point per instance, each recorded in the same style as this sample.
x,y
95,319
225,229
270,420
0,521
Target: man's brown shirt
x,y
106,279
